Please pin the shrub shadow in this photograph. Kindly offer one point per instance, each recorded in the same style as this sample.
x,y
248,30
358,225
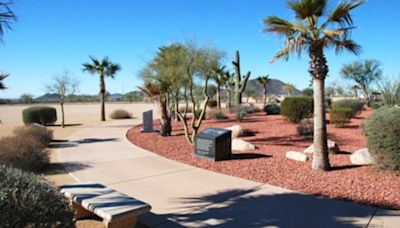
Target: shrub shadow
x,y
343,167
246,156
64,167
95,140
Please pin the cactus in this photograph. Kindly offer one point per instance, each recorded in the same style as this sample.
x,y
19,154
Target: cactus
x,y
240,83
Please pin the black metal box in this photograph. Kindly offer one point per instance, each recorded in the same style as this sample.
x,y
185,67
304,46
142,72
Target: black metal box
x,y
213,144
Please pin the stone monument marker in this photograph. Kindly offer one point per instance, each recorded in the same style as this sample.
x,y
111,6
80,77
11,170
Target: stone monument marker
x,y
148,121
213,144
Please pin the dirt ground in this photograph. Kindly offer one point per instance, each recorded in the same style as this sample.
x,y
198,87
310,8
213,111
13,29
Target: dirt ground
x,y
77,117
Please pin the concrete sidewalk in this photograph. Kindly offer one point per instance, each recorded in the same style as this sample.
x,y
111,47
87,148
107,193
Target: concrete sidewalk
x,y
185,196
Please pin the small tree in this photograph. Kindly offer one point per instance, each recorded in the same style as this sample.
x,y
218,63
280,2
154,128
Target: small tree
x,y
263,80
218,77
63,85
104,68
288,88
26,98
229,84
364,73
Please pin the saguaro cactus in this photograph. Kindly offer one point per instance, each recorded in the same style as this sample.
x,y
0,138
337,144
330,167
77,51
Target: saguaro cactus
x,y
240,83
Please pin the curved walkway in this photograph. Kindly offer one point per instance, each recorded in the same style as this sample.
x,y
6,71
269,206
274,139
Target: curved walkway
x,y
185,196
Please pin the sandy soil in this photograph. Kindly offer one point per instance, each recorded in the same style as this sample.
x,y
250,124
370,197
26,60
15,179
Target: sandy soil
x,y
274,136
77,117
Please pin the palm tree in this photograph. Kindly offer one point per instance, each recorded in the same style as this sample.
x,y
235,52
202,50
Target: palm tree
x,y
288,88
104,68
2,77
229,84
263,80
310,34
218,77
363,73
355,89
6,17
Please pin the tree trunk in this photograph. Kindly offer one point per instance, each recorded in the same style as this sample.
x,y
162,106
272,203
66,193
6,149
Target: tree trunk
x,y
218,96
229,100
102,98
165,123
319,70
265,95
366,96
62,114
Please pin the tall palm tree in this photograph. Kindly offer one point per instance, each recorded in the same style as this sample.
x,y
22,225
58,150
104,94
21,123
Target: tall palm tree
x,y
263,80
104,68
314,30
289,89
6,18
2,77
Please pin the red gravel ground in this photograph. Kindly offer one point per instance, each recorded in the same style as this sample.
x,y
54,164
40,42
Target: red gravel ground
x,y
267,163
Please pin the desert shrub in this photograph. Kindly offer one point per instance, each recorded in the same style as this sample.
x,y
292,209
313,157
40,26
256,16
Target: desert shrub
x,y
297,108
120,114
252,109
39,114
212,103
216,114
41,134
355,105
26,150
340,116
382,130
27,200
240,112
272,109
306,127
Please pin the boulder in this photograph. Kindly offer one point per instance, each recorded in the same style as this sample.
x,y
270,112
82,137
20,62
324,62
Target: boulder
x,y
333,148
237,131
240,144
297,156
361,157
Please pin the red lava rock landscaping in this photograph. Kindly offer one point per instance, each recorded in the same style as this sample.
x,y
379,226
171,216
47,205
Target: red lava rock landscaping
x,y
274,136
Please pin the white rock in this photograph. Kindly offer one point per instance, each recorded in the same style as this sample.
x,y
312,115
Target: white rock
x,y
361,157
237,131
333,148
240,144
298,156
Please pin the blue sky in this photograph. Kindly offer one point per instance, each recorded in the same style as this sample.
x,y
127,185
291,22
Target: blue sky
x,y
52,36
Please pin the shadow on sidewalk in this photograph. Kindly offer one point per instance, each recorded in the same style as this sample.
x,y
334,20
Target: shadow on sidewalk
x,y
257,208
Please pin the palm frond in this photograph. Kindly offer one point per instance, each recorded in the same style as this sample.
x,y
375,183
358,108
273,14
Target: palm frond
x,y
6,18
278,26
308,8
341,13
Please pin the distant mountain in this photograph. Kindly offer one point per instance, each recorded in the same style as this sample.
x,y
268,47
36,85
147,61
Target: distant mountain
x,y
274,87
48,97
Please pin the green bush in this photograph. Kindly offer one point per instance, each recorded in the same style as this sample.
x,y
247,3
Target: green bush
x,y
212,103
306,127
120,114
26,150
27,200
382,130
216,114
272,109
240,112
340,116
297,108
39,114
355,105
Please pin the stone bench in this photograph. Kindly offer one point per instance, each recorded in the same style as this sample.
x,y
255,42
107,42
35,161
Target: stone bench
x,y
116,209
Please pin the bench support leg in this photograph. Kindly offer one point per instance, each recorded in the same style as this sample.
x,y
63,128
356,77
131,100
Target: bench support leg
x,y
121,223
81,212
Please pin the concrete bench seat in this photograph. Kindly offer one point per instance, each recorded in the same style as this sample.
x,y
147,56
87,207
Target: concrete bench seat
x,y
116,209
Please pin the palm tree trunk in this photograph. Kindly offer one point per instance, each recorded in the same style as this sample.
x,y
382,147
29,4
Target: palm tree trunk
x,y
265,95
102,98
319,70
218,96
320,159
366,96
165,125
